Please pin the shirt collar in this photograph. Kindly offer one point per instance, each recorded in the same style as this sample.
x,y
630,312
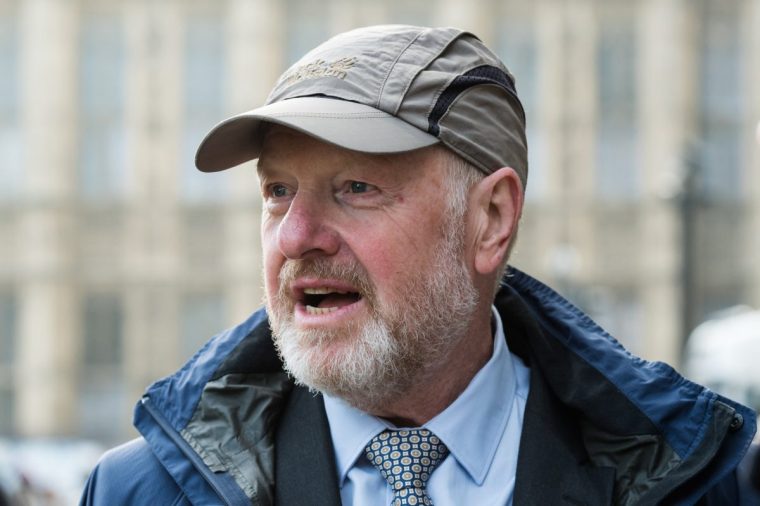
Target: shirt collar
x,y
351,429
471,426
474,423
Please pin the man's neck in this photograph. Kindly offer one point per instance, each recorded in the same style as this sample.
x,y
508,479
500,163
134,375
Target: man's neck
x,y
442,385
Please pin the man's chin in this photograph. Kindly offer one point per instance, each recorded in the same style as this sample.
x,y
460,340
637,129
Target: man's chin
x,y
328,374
318,341
369,394
350,363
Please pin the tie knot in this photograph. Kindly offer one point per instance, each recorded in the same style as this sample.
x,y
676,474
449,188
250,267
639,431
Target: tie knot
x,y
406,459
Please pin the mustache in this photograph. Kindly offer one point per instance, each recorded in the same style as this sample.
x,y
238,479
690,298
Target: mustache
x,y
351,272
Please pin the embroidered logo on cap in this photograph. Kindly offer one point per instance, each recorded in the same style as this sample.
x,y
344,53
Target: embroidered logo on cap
x,y
320,68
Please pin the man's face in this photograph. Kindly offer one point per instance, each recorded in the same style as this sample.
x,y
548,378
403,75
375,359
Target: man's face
x,y
365,280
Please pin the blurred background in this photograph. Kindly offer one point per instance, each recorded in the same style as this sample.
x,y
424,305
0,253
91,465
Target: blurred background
x,y
118,259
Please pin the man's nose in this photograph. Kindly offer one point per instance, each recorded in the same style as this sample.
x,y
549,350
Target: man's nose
x,y
305,231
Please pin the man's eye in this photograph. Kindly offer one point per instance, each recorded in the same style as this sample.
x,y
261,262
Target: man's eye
x,y
278,190
358,187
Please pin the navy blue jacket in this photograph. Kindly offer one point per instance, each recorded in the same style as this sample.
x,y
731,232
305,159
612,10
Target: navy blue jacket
x,y
601,426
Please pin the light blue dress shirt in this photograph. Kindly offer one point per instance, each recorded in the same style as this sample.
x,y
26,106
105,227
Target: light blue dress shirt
x,y
481,429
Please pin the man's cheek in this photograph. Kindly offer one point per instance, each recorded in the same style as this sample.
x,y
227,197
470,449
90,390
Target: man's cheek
x,y
384,259
271,271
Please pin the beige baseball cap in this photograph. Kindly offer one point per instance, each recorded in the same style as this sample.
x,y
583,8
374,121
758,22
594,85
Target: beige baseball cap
x,y
389,89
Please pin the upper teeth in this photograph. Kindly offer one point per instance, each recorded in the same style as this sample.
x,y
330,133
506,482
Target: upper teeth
x,y
321,290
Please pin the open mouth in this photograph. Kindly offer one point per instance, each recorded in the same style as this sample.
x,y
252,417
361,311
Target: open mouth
x,y
324,300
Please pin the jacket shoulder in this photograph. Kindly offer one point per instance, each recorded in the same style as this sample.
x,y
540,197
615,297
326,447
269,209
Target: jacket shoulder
x,y
131,474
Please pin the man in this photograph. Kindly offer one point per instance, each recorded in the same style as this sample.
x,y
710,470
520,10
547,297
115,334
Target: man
x,y
403,365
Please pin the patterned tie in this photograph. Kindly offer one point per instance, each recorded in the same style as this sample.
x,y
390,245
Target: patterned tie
x,y
406,459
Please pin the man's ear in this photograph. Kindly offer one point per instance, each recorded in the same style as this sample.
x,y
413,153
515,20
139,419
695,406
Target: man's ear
x,y
497,205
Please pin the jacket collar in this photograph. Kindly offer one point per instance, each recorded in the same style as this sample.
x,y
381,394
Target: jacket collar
x,y
664,435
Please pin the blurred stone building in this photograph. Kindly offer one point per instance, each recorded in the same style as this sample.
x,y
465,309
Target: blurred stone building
x,y
118,260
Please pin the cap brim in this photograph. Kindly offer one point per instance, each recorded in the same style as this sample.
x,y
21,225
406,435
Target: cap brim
x,y
346,124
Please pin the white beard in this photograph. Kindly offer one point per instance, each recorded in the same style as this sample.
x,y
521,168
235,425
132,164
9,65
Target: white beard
x,y
402,342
